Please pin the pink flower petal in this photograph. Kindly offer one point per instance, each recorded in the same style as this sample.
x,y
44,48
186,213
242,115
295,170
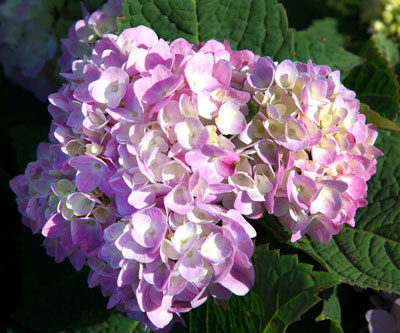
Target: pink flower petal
x,y
328,201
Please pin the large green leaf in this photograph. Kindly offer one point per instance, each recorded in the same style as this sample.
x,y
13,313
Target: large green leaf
x,y
284,289
258,25
240,314
368,255
375,81
327,28
322,44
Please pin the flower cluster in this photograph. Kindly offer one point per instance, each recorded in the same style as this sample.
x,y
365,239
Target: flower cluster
x,y
84,33
309,151
48,187
29,34
383,16
159,149
139,166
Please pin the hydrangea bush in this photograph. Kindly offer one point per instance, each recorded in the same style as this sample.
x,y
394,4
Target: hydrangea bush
x,y
383,16
29,38
165,156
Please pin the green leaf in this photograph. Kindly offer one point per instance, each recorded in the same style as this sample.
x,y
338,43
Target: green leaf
x,y
253,110
374,117
116,323
239,314
327,28
387,48
267,31
258,25
284,289
375,82
331,310
368,255
322,44
7,329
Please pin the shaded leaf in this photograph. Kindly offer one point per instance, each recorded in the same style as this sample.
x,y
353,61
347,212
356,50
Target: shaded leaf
x,y
374,117
375,82
331,310
258,25
26,135
55,296
322,44
240,314
327,28
116,323
25,123
284,289
387,48
253,110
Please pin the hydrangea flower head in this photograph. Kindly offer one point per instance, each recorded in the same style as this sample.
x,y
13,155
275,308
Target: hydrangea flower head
x,y
152,167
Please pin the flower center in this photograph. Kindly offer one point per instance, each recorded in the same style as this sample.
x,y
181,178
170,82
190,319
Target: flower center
x,y
292,132
214,158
